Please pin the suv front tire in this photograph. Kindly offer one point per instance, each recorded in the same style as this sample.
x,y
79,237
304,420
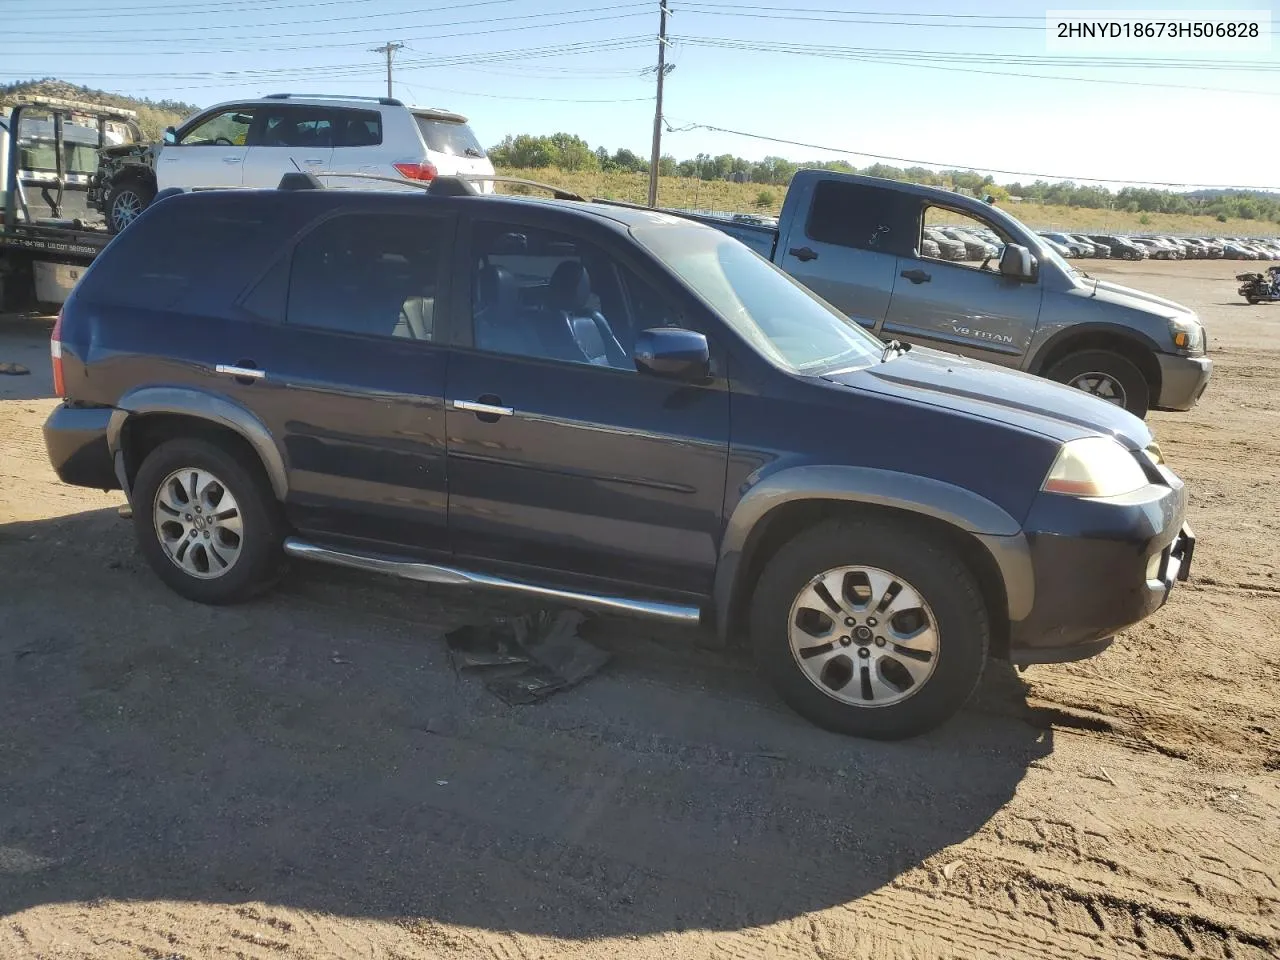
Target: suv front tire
x,y
207,522
870,627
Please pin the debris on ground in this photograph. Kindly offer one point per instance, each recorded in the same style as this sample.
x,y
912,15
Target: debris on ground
x,y
13,369
528,658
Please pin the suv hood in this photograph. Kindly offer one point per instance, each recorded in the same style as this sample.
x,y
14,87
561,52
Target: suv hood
x,y
994,393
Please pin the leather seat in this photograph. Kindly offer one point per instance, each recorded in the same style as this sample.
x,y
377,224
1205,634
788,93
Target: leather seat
x,y
500,325
572,330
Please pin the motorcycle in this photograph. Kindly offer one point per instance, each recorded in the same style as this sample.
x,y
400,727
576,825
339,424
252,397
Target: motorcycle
x,y
1259,288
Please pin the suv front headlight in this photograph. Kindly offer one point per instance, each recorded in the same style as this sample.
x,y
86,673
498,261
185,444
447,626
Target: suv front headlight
x,y
1187,334
1094,467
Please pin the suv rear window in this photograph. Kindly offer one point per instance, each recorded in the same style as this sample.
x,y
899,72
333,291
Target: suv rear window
x,y
449,137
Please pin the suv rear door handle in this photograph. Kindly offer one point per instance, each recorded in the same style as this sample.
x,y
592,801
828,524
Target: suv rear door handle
x,y
488,412
803,253
232,159
916,276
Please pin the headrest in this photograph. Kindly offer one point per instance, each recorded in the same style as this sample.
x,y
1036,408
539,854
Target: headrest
x,y
570,287
495,287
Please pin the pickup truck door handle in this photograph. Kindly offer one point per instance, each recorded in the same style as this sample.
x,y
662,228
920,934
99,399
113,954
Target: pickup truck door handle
x,y
916,276
240,372
488,412
803,254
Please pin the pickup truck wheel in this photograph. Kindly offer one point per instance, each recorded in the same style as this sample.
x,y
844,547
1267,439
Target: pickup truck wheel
x,y
1108,376
125,203
870,627
206,522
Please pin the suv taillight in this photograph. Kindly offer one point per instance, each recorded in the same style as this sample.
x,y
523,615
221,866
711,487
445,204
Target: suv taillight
x,y
55,352
417,171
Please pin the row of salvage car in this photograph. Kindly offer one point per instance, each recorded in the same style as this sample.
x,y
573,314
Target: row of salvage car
x,y
974,243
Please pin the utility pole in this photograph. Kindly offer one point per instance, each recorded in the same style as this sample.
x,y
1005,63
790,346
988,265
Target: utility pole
x,y
389,49
657,111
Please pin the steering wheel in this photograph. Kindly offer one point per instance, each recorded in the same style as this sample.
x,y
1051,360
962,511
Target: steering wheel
x,y
219,141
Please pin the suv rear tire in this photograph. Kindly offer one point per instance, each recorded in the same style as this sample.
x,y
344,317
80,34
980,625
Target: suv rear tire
x,y
850,663
207,522
1107,375
125,202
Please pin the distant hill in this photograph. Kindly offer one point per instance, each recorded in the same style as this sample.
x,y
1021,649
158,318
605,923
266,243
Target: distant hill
x,y
153,115
1218,194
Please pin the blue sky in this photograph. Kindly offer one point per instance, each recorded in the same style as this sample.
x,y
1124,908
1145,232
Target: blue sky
x,y
1175,122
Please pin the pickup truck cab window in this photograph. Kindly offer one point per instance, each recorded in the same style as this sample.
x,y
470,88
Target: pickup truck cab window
x,y
863,218
960,238
781,318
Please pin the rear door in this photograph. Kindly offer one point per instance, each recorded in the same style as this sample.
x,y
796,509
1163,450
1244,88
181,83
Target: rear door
x,y
846,248
964,306
356,382
209,153
288,138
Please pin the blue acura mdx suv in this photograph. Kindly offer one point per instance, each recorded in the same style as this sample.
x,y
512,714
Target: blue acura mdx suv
x,y
609,407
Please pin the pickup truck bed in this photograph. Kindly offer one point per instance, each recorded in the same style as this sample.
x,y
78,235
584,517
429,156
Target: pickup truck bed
x,y
758,237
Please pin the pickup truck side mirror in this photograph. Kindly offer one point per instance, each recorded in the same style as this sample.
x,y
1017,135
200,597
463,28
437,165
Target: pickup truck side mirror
x,y
170,135
1017,263
673,354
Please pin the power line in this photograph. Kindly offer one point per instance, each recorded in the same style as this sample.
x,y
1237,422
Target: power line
x,y
63,37
957,166
149,10
876,57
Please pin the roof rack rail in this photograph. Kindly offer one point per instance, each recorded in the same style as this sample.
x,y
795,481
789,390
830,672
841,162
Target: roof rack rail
x,y
385,101
36,100
557,192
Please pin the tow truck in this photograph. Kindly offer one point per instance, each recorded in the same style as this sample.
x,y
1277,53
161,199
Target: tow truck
x,y
48,155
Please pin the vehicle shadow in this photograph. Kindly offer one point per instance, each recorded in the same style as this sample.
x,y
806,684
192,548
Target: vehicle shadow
x,y
315,749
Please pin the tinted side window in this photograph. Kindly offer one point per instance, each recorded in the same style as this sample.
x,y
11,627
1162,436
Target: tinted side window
x,y
294,127
865,218
541,293
358,128
195,255
372,274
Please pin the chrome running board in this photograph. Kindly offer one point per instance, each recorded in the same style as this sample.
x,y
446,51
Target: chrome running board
x,y
455,577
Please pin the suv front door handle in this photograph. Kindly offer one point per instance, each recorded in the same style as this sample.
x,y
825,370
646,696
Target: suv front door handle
x,y
916,276
232,159
803,254
484,410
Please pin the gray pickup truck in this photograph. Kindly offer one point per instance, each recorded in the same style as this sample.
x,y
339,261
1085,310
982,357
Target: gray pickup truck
x,y
858,242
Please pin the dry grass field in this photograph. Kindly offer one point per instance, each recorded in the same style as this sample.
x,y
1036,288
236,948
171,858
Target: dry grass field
x,y
687,193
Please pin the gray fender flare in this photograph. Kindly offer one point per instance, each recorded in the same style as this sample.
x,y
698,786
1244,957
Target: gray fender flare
x,y
191,402
988,523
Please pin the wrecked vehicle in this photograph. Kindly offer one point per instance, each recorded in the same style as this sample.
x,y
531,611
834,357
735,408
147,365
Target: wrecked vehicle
x,y
124,183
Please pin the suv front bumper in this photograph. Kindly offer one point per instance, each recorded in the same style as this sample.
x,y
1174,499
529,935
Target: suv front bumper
x,y
1182,380
1100,566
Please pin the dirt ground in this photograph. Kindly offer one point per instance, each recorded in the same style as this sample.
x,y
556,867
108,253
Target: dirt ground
x,y
307,776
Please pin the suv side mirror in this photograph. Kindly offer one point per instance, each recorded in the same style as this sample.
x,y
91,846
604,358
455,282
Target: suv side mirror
x,y
170,135
672,353
1017,263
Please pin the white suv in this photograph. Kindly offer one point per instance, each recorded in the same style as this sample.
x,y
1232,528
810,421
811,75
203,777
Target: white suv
x,y
253,143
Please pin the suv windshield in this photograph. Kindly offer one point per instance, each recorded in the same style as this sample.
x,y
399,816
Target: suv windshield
x,y
782,319
449,137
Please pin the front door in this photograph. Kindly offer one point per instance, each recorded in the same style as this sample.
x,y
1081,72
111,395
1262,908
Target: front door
x,y
562,457
354,384
846,248
209,154
963,306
